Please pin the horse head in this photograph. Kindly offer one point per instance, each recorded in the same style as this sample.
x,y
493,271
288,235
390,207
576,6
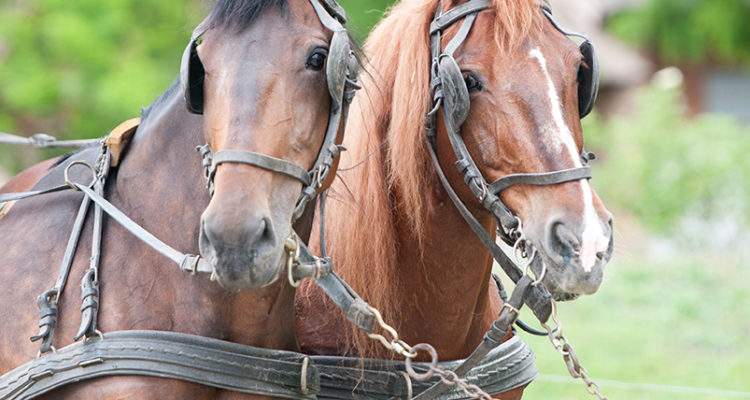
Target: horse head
x,y
514,103
271,91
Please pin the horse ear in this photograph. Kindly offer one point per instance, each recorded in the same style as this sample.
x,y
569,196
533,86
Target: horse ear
x,y
192,75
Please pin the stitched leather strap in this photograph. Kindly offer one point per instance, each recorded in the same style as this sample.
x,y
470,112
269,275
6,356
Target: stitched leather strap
x,y
506,367
190,358
356,310
262,161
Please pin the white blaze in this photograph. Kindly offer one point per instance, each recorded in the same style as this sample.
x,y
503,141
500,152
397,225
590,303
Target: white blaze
x,y
558,136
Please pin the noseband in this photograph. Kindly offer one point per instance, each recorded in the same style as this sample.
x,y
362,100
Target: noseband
x,y
341,69
449,91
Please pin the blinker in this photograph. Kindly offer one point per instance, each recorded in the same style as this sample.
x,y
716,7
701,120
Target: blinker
x,y
455,93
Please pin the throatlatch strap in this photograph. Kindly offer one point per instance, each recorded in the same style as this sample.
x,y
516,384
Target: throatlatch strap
x,y
263,161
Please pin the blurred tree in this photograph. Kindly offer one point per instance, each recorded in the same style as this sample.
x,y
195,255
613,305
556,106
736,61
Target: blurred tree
x,y
76,69
696,31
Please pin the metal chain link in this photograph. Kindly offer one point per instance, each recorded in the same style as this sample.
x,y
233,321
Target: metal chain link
x,y
562,346
523,249
398,346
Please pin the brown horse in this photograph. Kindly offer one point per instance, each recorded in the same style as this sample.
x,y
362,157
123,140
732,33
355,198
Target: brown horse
x,y
263,87
393,232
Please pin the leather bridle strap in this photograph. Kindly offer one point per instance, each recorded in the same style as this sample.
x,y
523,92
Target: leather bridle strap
x,y
262,161
6,197
492,338
538,297
541,179
449,17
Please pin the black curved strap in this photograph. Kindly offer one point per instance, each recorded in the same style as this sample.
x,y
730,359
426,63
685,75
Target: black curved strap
x,y
262,161
541,179
456,13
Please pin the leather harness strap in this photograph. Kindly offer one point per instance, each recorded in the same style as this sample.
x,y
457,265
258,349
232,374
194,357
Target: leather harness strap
x,y
206,361
505,367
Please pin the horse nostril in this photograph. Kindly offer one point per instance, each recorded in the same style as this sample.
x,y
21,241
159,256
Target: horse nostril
x,y
232,236
564,242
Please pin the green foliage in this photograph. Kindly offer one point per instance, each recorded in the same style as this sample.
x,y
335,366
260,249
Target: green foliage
x,y
661,166
689,30
364,14
76,69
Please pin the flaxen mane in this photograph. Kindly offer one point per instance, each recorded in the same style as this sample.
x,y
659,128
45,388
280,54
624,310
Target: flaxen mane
x,y
387,129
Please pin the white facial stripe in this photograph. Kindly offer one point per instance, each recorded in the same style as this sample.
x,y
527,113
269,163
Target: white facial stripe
x,y
558,136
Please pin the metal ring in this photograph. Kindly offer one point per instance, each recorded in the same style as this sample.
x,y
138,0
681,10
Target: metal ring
x,y
433,363
289,268
409,388
511,308
85,164
303,378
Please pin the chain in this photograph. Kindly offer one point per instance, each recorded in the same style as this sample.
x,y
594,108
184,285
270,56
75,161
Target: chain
x,y
398,346
569,356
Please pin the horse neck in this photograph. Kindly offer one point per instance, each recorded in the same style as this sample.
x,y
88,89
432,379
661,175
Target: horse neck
x,y
161,171
450,276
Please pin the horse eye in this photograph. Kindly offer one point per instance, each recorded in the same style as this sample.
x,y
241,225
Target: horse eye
x,y
316,61
472,83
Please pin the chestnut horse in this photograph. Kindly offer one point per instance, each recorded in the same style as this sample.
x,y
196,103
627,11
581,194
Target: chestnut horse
x,y
260,73
392,230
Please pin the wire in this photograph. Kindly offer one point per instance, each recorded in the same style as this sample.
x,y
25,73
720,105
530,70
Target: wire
x,y
648,387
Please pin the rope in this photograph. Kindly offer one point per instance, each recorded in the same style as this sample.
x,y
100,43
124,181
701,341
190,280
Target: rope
x,y
42,140
648,387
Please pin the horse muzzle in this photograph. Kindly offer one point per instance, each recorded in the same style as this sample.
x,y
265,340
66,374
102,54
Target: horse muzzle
x,y
245,250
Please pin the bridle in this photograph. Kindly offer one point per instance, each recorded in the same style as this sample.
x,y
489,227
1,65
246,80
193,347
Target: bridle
x,y
341,69
450,93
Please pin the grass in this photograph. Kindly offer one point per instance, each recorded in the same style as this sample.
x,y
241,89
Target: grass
x,y
666,318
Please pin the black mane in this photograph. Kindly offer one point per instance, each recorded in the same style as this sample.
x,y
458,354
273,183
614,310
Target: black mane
x,y
240,14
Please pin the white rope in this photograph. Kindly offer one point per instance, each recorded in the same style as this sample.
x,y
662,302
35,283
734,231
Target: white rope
x,y
647,387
